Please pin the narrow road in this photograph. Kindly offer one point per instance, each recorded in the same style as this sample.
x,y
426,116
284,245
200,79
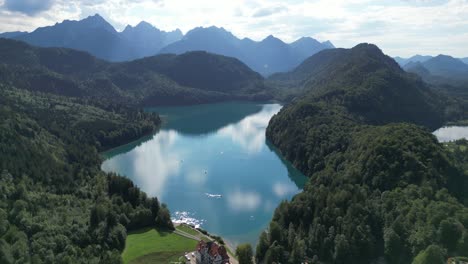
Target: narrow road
x,y
187,235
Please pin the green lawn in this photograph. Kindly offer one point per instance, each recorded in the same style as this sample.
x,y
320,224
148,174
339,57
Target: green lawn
x,y
155,246
188,230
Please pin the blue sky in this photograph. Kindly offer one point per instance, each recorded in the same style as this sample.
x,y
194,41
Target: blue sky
x,y
399,27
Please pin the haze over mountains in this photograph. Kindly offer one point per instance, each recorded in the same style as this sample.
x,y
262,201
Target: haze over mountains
x,y
96,36
267,56
441,66
421,58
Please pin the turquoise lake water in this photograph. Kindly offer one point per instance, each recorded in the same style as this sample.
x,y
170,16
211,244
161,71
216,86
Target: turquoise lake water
x,y
213,167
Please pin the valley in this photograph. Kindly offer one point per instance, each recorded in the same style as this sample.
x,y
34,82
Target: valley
x,y
129,147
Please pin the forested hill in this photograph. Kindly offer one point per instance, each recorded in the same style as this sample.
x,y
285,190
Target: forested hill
x,y
201,77
369,85
56,205
379,186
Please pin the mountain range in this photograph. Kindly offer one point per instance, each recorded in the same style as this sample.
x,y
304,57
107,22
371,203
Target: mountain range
x,y
190,78
420,58
415,58
266,57
96,36
441,66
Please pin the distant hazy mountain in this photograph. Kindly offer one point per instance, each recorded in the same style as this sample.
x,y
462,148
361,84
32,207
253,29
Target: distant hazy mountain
x,y
447,66
465,60
420,58
417,68
93,34
267,56
440,70
96,36
12,34
148,40
415,58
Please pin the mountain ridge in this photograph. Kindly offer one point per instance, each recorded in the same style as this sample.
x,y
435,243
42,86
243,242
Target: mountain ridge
x,y
439,69
266,56
96,36
190,78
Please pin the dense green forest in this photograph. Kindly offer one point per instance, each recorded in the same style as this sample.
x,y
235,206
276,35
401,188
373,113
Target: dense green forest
x,y
371,87
58,109
56,205
381,186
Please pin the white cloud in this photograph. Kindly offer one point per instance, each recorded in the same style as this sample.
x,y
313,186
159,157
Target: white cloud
x,y
399,27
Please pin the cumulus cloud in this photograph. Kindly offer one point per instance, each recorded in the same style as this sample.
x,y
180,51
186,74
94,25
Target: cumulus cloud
x,y
29,7
401,27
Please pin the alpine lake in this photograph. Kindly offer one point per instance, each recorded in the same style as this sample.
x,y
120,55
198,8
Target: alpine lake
x,y
213,167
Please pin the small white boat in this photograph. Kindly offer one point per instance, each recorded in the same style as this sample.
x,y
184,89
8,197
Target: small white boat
x,y
213,195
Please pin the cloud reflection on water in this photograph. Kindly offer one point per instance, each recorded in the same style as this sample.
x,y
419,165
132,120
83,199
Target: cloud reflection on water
x,y
243,201
249,133
196,176
446,134
283,189
151,163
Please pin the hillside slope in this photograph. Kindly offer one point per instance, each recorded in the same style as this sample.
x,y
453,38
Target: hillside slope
x,y
190,78
57,206
370,86
376,182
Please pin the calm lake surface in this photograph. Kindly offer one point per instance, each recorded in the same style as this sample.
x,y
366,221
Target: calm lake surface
x,y
446,134
213,167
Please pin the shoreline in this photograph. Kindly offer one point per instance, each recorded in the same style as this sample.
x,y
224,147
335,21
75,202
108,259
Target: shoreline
x,y
164,120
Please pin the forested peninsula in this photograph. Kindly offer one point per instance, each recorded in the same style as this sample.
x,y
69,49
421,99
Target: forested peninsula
x,y
381,186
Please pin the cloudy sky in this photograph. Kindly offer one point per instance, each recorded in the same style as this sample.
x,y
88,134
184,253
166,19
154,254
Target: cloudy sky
x,y
399,27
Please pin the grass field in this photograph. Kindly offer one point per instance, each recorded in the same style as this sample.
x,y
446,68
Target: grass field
x,y
155,246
